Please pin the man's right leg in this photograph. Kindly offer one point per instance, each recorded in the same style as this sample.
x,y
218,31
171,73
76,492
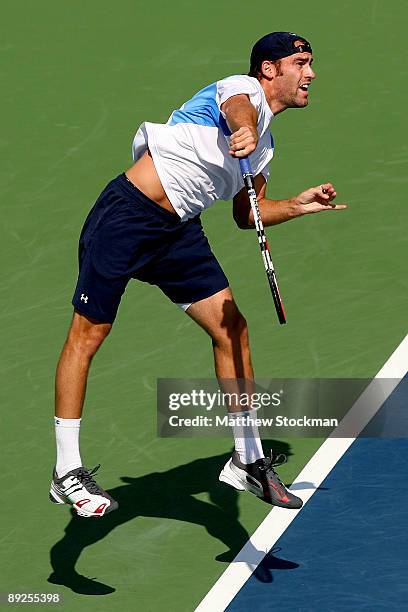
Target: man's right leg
x,y
72,483
113,247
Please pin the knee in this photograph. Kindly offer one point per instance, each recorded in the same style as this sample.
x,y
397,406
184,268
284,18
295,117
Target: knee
x,y
87,339
233,331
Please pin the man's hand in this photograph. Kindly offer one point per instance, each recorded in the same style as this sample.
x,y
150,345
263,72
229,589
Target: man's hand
x,y
318,198
243,142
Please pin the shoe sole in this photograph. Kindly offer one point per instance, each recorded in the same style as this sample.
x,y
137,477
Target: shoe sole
x,y
55,498
230,478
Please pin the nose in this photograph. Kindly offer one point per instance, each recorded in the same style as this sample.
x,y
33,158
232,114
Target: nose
x,y
310,72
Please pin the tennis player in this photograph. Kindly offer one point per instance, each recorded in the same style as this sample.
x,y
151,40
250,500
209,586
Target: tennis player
x,y
146,225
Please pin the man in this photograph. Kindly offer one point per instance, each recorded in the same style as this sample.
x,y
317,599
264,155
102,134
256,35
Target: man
x,y
146,225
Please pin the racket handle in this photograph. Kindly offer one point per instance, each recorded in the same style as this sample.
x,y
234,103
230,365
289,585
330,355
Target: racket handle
x,y
245,165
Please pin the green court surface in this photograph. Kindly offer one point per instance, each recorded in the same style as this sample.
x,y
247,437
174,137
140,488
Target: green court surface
x,y
77,80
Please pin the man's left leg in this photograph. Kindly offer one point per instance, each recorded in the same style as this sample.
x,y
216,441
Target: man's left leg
x,y
219,316
248,469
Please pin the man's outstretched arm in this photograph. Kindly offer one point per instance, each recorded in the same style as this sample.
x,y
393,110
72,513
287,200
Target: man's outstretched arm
x,y
313,200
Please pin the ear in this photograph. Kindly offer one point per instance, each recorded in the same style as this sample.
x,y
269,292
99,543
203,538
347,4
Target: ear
x,y
268,69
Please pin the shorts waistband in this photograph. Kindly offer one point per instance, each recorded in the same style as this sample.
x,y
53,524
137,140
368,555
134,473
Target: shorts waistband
x,y
141,198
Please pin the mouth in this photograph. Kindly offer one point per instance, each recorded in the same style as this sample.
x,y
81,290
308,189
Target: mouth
x,y
304,87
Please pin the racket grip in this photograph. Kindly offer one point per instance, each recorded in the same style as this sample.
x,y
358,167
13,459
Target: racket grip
x,y
245,166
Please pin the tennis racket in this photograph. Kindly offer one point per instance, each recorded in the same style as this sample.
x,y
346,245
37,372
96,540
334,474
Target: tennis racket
x,y
248,177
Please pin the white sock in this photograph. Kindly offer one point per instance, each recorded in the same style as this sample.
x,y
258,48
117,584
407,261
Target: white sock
x,y
247,441
67,437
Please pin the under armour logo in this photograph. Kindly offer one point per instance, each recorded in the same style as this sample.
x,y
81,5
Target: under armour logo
x,y
84,298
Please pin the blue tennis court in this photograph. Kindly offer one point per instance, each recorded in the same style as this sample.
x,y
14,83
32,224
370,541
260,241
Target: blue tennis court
x,y
347,550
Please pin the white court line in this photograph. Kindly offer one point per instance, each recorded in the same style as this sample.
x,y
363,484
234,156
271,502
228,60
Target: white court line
x,y
315,471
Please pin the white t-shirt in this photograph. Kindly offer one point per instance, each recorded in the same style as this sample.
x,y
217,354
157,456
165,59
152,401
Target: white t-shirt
x,y
191,154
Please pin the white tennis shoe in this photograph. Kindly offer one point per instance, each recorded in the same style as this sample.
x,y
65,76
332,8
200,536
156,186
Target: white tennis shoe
x,y
78,489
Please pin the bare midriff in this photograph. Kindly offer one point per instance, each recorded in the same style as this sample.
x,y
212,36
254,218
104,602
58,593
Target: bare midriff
x,y
143,175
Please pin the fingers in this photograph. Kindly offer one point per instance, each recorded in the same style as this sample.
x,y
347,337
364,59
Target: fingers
x,y
328,191
243,142
339,206
315,207
331,207
324,194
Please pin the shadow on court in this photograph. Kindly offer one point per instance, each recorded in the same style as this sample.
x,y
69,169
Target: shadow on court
x,y
163,495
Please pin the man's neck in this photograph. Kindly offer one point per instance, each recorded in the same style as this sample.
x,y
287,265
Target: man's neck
x,y
274,104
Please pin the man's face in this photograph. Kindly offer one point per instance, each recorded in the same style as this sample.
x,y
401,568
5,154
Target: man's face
x,y
291,84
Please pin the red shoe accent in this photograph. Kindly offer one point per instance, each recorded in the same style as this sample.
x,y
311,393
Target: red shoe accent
x,y
81,502
283,497
100,508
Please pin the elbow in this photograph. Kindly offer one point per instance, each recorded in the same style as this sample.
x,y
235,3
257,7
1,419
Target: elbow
x,y
243,218
243,224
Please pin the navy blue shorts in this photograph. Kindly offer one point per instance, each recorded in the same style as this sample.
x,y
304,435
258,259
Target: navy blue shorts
x,y
125,236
